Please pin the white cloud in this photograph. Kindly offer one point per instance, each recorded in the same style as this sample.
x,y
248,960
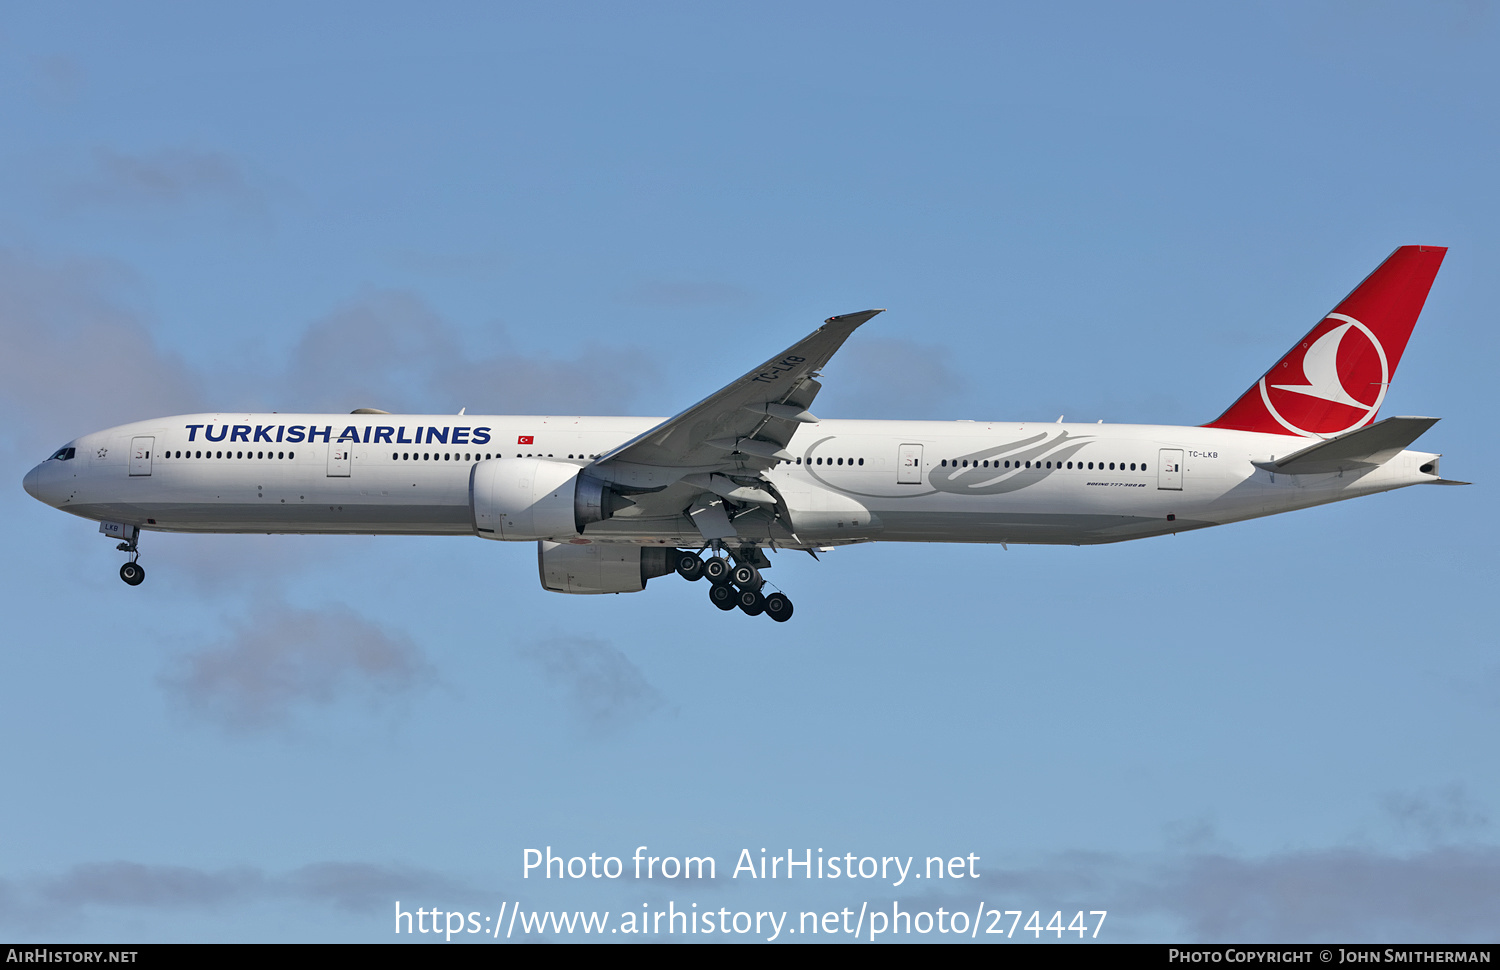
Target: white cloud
x,y
604,689
284,660
73,358
61,899
894,379
166,178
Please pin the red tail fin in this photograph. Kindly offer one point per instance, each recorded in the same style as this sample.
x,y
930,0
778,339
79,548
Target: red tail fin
x,y
1335,378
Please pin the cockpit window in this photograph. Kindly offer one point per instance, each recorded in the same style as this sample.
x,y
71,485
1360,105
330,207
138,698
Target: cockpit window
x,y
63,454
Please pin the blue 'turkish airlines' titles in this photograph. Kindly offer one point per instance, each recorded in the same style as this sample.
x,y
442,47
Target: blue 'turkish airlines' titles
x,y
368,434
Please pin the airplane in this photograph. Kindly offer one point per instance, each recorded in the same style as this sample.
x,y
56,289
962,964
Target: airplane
x,y
613,502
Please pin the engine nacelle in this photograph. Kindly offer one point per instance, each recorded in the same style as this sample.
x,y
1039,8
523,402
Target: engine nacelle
x,y
533,498
600,567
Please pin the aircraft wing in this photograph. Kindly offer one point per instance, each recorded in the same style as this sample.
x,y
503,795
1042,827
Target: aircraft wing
x,y
741,429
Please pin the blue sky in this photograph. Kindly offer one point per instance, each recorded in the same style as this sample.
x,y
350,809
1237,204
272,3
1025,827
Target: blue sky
x,y
1278,730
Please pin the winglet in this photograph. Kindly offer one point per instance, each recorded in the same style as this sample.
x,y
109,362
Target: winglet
x,y
853,320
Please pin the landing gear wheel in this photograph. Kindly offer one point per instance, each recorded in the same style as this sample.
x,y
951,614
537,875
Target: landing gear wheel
x,y
750,602
779,607
722,595
133,573
689,566
746,577
716,570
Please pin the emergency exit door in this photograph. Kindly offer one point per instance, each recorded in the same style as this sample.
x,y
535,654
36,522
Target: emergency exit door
x,y
338,460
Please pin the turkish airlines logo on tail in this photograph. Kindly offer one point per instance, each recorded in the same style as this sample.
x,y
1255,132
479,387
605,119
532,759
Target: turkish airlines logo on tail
x,y
1344,374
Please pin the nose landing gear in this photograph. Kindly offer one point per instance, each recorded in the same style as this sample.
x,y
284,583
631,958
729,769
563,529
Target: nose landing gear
x,y
132,572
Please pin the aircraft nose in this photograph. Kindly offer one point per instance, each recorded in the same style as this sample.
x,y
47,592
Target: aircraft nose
x,y
42,484
33,483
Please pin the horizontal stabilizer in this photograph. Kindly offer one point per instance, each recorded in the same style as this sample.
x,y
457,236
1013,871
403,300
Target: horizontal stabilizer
x,y
1364,447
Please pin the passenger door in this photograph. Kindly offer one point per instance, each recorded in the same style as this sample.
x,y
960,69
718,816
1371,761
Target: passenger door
x,y
140,455
909,465
339,456
1169,469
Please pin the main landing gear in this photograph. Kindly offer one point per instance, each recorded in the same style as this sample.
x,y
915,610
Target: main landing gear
x,y
132,572
734,584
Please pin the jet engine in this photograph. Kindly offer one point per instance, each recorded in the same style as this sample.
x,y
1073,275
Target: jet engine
x,y
601,567
533,498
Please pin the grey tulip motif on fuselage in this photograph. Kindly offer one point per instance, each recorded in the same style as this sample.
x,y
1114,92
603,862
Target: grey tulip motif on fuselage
x,y
976,479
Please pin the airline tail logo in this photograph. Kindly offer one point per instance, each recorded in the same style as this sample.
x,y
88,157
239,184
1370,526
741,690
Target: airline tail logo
x,y
1335,379
1344,365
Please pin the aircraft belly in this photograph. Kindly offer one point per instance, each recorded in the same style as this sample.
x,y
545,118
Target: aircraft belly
x,y
1051,528
348,517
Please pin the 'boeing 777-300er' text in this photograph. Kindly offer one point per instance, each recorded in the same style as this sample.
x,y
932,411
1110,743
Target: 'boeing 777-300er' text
x,y
613,502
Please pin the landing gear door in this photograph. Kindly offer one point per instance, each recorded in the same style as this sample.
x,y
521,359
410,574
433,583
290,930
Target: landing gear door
x,y
140,456
338,460
1169,469
909,465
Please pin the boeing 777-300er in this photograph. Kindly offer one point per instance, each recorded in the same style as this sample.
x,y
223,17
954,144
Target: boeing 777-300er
x,y
612,502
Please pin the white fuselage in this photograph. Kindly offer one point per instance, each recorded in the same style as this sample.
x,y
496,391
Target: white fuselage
x,y
849,481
